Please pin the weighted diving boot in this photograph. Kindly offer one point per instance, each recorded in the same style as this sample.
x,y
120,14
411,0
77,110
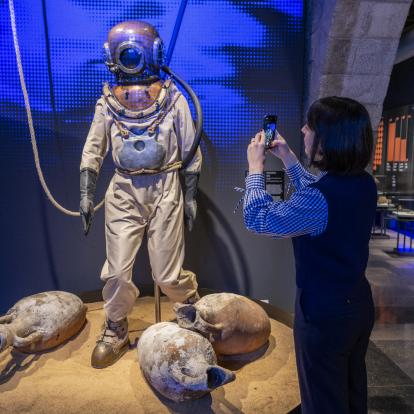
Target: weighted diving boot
x,y
112,344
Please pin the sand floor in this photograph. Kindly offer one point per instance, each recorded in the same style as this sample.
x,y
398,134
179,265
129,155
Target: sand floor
x,y
62,381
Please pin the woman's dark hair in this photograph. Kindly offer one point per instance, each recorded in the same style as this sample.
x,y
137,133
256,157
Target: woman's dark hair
x,y
343,135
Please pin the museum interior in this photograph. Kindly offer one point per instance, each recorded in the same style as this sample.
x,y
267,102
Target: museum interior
x,y
165,300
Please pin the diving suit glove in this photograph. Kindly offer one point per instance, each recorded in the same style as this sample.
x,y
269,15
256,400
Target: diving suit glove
x,y
88,179
189,182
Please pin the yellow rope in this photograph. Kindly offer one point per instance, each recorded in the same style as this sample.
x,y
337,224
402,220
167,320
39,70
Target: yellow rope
x,y
163,114
30,121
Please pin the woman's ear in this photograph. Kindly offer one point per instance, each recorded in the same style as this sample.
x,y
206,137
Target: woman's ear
x,y
319,153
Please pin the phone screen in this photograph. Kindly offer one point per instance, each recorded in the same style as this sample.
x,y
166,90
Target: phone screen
x,y
269,127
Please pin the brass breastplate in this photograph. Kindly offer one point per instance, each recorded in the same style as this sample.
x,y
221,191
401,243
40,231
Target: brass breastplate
x,y
137,97
137,101
138,123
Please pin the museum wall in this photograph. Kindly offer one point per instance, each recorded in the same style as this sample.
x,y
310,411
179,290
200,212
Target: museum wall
x,y
352,49
243,58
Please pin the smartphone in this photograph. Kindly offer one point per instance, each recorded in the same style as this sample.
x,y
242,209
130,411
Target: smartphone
x,y
269,127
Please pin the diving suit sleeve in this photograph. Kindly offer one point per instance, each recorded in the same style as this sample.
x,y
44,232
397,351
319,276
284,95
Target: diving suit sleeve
x,y
96,146
94,152
185,130
189,176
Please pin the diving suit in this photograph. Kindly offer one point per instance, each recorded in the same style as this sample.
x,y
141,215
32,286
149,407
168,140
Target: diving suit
x,y
147,123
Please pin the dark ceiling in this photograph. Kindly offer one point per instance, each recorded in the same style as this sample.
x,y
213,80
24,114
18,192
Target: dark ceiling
x,y
409,24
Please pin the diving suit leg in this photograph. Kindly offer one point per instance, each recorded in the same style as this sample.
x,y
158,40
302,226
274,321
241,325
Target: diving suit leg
x,y
166,247
124,230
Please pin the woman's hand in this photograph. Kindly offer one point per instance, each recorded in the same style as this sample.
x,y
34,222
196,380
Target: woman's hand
x,y
256,153
280,149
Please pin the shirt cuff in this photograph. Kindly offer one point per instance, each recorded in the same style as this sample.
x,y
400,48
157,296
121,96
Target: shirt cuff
x,y
255,180
295,171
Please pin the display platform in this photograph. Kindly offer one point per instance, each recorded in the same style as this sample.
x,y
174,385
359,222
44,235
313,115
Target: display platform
x,y
62,380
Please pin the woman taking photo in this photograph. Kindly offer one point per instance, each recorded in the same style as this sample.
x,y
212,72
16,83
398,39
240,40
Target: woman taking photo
x,y
329,218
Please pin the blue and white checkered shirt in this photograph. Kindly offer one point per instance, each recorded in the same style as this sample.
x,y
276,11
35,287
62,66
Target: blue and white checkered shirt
x,y
306,212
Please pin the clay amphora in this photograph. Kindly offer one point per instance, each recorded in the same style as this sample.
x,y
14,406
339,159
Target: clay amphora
x,y
42,321
179,364
233,324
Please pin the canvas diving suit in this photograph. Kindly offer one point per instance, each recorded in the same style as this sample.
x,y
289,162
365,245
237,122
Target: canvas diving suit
x,y
147,122
146,201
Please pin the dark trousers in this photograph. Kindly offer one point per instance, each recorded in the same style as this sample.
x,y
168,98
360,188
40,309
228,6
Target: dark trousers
x,y
331,339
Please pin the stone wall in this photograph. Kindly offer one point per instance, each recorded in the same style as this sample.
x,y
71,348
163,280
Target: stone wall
x,y
352,46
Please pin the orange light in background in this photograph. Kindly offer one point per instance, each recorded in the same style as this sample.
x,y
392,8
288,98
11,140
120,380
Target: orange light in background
x,y
378,148
391,141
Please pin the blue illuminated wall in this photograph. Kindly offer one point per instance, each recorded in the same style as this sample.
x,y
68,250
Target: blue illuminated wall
x,y
243,58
